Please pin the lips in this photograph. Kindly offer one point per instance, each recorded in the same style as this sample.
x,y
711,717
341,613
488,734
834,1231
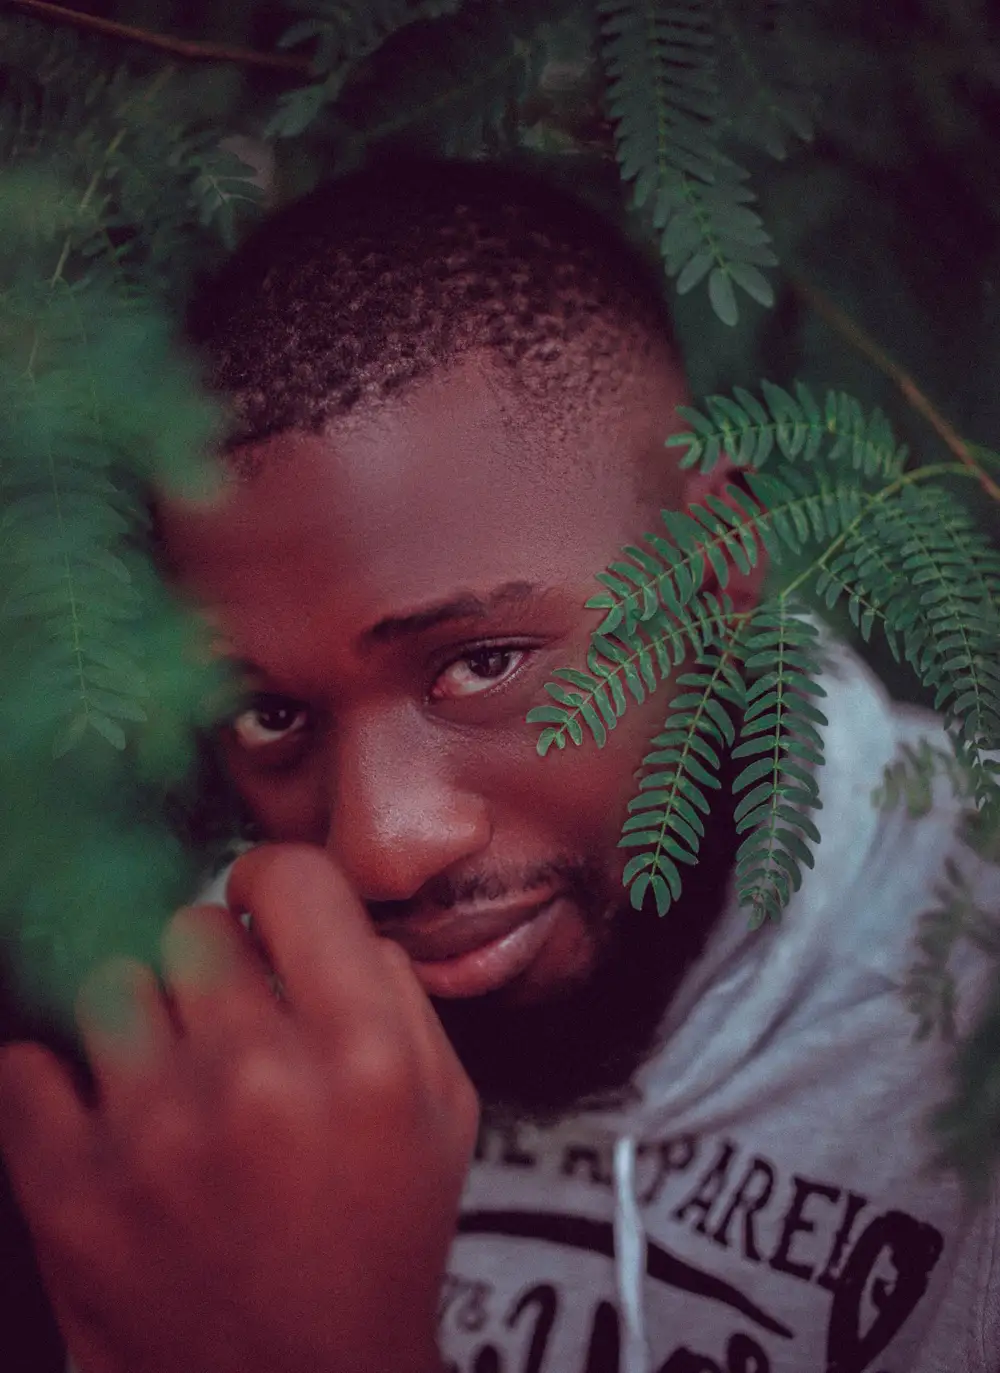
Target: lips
x,y
468,953
457,932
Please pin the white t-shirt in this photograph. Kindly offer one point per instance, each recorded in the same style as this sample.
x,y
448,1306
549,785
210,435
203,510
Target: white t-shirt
x,y
765,1206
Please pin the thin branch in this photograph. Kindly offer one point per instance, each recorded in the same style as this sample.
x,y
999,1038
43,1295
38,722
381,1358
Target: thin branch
x,y
855,335
178,47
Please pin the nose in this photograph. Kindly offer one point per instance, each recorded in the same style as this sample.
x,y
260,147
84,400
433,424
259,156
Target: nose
x,y
397,818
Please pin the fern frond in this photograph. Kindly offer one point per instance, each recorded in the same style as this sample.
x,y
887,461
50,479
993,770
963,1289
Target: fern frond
x,y
655,607
664,818
920,557
344,35
136,183
68,520
60,520
222,192
638,661
452,87
663,96
94,400
835,578
346,31
750,432
782,511
861,567
77,594
780,732
766,102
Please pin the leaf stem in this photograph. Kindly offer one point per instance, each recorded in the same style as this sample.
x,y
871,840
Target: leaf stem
x,y
849,328
88,194
918,474
180,47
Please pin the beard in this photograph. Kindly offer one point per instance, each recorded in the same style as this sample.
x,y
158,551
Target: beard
x,y
579,1048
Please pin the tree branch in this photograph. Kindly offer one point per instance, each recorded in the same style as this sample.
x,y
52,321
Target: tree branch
x,y
864,343
178,47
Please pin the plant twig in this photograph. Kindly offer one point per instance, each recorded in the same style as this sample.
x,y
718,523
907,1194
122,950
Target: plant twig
x,y
855,335
179,47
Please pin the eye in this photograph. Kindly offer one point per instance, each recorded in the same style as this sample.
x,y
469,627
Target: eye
x,y
269,720
476,672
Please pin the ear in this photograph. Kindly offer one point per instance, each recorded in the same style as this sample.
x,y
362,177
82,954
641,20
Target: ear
x,y
744,589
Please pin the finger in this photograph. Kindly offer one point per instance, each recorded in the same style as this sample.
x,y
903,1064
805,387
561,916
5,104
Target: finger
x,y
127,1031
316,933
442,1068
415,1007
44,1127
218,982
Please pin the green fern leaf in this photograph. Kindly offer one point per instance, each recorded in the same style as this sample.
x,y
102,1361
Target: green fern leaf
x,y
795,427
783,510
344,36
452,87
780,733
931,577
90,207
663,96
224,193
766,101
664,817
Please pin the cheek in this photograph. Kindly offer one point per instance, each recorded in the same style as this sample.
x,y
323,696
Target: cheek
x,y
586,786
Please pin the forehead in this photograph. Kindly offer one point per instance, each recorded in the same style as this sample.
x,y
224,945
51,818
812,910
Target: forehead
x,y
459,485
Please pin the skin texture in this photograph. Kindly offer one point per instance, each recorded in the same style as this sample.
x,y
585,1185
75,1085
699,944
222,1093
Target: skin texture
x,y
421,782
261,1181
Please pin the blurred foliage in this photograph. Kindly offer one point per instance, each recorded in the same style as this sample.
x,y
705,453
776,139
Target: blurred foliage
x,y
821,182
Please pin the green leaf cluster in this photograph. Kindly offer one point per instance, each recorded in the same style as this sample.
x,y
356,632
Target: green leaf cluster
x,y
386,71
686,85
106,683
141,195
828,488
106,680
341,37
674,132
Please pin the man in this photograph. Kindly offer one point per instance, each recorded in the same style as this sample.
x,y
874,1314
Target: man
x,y
701,1149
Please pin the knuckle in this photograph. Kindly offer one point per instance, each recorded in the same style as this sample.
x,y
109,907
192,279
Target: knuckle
x,y
378,1065
268,1096
262,1080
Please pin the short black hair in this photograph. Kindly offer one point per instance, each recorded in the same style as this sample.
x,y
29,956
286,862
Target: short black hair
x,y
381,277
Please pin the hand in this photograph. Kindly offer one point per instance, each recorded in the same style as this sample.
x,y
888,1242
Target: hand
x,y
263,1186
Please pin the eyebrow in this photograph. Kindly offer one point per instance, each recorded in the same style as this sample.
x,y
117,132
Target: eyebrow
x,y
464,606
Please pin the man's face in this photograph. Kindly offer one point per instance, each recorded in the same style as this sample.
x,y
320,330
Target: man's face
x,y
398,592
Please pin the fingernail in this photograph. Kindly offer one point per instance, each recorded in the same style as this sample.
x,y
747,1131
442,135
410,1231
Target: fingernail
x,y
193,956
